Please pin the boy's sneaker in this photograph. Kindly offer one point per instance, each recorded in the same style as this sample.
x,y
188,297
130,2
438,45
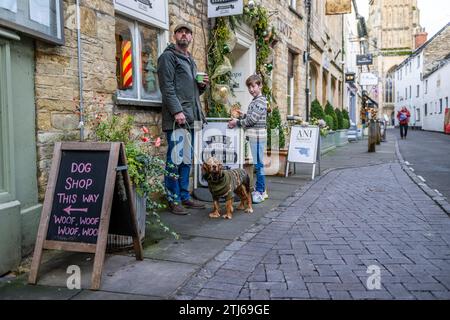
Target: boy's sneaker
x,y
265,195
257,197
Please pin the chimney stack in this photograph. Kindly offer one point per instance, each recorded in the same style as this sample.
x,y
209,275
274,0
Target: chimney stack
x,y
420,38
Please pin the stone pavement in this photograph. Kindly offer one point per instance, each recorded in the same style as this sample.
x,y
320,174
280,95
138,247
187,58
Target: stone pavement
x,y
322,245
309,240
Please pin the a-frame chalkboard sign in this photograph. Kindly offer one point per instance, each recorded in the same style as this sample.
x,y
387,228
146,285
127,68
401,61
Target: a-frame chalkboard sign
x,y
85,179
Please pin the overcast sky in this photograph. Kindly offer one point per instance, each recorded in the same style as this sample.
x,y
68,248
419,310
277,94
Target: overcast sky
x,y
434,14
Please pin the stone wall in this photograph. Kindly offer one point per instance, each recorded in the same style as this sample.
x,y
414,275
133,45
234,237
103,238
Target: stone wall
x,y
290,27
56,77
57,83
437,49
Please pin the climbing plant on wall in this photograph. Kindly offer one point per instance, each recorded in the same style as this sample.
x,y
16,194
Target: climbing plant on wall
x,y
222,39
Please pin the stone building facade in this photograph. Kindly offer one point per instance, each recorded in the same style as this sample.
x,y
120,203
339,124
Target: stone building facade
x,y
392,27
43,101
327,56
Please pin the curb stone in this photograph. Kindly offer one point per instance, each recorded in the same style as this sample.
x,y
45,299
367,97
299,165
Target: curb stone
x,y
439,200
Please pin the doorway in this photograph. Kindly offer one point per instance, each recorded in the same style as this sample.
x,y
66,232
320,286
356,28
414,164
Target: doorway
x,y
243,59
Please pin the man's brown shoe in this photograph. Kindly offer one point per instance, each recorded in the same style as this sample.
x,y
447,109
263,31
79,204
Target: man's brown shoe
x,y
177,209
192,204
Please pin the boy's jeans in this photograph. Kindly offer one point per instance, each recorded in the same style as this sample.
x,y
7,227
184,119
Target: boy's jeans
x,y
257,147
177,188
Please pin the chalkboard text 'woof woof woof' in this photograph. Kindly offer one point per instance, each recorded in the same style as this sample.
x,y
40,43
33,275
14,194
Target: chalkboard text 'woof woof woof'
x,y
78,196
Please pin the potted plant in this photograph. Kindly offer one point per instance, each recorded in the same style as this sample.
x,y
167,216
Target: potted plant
x,y
342,131
277,152
145,170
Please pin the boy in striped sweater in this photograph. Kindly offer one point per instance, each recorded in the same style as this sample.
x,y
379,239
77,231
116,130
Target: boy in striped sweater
x,y
254,123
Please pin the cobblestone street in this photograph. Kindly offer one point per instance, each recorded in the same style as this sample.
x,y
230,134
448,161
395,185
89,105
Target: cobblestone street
x,y
332,238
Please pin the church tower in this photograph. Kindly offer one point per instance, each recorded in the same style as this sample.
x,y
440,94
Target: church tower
x,y
393,26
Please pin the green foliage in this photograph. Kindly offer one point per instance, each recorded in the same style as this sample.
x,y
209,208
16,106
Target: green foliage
x,y
274,123
219,38
317,110
345,124
340,118
145,170
116,128
330,111
323,127
345,114
329,121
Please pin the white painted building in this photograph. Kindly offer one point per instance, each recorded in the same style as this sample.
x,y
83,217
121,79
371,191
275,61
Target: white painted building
x,y
408,88
422,82
437,92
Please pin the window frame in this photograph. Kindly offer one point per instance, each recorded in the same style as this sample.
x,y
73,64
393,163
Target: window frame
x,y
7,163
291,82
137,60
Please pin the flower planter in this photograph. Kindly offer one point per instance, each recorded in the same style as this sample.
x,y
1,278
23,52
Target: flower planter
x,y
327,143
118,242
343,139
275,162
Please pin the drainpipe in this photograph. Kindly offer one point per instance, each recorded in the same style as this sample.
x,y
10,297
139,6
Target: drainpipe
x,y
80,74
307,54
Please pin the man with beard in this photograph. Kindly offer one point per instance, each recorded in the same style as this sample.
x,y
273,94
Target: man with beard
x,y
181,108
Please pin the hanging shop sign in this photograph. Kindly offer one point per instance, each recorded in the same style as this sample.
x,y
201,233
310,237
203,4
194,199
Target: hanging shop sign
x,y
338,7
350,77
222,8
368,79
154,12
41,19
364,59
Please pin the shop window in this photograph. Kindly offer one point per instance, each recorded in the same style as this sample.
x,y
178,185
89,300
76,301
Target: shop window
x,y
137,51
440,106
425,110
417,114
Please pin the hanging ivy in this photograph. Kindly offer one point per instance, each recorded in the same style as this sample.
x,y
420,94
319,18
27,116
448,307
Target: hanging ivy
x,y
222,39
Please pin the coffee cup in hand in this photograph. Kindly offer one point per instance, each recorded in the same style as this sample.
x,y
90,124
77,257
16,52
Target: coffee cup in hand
x,y
200,77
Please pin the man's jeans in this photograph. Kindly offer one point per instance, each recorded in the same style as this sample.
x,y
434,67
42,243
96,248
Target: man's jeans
x,y
257,149
177,187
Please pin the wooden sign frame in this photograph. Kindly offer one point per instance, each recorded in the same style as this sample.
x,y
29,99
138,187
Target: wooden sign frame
x,y
116,156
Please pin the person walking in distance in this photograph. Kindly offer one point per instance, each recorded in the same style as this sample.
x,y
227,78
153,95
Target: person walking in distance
x,y
181,108
403,118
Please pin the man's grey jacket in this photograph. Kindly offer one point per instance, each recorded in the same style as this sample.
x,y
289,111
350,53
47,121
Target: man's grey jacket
x,y
179,89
